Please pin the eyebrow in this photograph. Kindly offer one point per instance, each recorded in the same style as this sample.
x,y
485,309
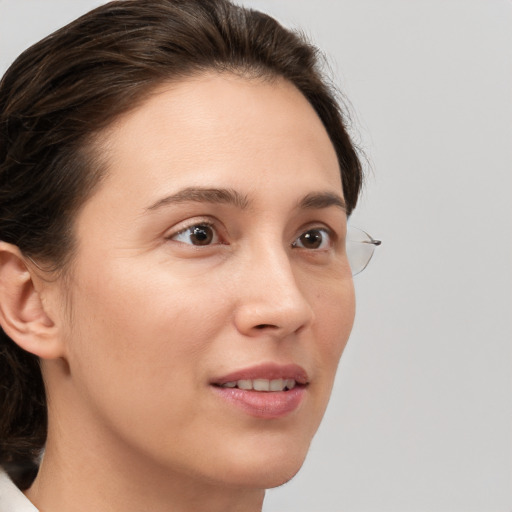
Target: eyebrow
x,y
203,195
312,201
319,200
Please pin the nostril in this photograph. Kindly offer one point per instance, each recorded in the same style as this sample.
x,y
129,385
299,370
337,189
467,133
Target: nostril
x,y
264,326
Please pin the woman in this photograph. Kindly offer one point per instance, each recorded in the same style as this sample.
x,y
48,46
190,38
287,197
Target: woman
x,y
175,183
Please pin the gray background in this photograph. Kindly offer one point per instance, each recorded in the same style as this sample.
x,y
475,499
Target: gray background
x,y
421,416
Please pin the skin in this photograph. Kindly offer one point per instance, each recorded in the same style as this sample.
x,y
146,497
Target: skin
x,y
145,319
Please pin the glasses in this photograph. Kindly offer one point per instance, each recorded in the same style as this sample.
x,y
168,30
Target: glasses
x,y
360,247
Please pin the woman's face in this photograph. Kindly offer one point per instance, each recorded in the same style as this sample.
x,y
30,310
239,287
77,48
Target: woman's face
x,y
211,260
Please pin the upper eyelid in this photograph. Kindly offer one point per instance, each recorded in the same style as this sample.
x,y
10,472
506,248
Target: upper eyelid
x,y
333,233
329,231
218,239
183,226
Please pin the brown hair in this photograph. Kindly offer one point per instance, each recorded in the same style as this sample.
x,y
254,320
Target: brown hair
x,y
63,90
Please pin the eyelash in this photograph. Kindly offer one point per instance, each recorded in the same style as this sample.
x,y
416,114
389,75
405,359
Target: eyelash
x,y
327,236
201,224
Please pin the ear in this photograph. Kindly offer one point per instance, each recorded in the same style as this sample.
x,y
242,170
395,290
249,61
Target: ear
x,y
22,312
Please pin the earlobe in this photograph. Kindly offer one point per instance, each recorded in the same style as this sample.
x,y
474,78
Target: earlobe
x,y
22,313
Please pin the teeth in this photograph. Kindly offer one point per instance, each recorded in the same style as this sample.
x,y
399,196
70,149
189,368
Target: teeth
x,y
277,385
244,384
261,384
290,383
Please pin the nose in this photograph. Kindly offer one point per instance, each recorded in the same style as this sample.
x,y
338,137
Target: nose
x,y
270,300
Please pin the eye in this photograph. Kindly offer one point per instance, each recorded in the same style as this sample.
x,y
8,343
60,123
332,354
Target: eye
x,y
314,239
198,234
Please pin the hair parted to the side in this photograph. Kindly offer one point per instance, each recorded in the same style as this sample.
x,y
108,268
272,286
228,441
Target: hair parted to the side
x,y
58,96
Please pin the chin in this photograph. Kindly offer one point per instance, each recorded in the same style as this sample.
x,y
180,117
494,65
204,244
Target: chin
x,y
281,477
266,470
266,478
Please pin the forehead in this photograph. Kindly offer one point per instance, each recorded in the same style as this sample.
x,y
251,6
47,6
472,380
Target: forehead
x,y
220,130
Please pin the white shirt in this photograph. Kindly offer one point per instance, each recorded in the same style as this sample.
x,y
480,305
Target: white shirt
x,y
11,498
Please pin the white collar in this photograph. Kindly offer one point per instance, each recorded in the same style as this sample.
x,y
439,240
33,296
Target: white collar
x,y
11,498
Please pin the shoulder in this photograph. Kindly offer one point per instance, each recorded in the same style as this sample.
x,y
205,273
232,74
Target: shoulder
x,y
11,498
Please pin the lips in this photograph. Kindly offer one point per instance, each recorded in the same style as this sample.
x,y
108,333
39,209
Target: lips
x,y
267,391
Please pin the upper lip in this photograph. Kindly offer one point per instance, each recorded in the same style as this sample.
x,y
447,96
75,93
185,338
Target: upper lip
x,y
268,371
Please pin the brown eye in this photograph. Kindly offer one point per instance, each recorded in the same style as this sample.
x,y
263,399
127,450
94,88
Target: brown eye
x,y
199,234
313,239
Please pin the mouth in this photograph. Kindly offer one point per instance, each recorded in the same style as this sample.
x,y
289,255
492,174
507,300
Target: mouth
x,y
267,391
261,384
265,377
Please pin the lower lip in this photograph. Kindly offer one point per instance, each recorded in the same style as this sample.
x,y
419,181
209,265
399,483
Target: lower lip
x,y
263,404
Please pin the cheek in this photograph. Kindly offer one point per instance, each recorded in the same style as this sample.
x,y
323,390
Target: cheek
x,y
138,351
138,334
334,307
334,318
338,317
